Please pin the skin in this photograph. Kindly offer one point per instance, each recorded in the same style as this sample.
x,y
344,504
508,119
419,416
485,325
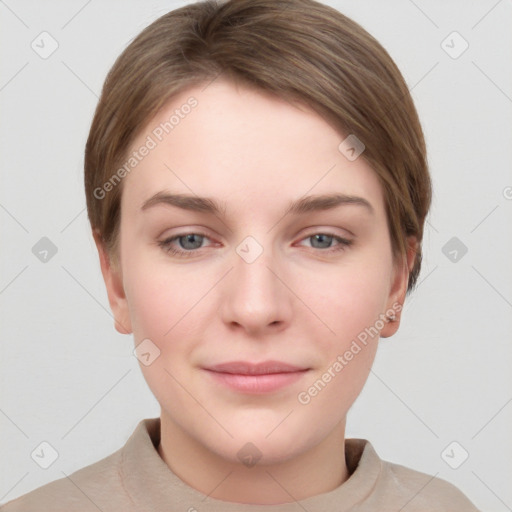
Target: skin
x,y
297,302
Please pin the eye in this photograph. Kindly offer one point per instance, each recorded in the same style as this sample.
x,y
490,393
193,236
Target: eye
x,y
188,243
323,241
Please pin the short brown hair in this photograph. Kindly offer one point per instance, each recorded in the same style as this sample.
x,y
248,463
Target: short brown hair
x,y
299,50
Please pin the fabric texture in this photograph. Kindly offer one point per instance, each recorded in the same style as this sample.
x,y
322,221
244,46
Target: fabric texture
x,y
136,479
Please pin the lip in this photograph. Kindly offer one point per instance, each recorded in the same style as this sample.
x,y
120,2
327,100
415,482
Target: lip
x,y
256,378
247,368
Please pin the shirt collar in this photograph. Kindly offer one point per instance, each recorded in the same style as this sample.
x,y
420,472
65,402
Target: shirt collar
x,y
152,485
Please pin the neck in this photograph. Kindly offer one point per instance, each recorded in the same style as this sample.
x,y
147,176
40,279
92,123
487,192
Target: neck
x,y
318,470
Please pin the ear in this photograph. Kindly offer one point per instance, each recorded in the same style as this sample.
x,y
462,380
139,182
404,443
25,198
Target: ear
x,y
115,290
399,288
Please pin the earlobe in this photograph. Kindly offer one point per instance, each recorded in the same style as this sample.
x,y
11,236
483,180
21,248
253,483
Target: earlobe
x,y
399,290
114,284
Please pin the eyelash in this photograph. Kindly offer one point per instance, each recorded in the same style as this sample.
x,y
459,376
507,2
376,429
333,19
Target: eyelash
x,y
167,247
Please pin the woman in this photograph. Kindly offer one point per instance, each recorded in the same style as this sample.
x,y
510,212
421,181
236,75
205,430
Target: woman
x,y
257,186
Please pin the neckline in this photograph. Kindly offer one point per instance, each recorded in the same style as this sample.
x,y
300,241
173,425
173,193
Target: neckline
x,y
151,483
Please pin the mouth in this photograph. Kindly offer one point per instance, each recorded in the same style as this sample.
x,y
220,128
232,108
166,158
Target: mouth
x,y
256,378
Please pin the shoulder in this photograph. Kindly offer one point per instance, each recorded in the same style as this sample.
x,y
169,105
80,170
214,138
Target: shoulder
x,y
87,489
420,492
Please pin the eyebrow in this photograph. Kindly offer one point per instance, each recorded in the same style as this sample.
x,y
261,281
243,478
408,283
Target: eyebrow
x,y
298,207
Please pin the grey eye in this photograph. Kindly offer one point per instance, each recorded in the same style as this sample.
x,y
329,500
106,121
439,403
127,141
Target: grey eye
x,y
324,240
191,241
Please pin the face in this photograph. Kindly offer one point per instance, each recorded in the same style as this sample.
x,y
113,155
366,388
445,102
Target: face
x,y
257,309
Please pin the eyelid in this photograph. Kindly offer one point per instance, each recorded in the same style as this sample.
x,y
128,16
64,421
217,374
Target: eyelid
x,y
186,230
342,241
334,231
182,234
165,243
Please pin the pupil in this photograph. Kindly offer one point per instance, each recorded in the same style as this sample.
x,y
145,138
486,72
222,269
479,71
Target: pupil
x,y
322,238
190,238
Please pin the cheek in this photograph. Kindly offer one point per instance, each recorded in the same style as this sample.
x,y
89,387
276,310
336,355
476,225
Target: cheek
x,y
151,308
161,306
162,309
351,304
147,292
167,305
350,299
353,310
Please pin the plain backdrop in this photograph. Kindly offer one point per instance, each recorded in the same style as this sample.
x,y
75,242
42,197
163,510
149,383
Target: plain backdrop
x,y
68,378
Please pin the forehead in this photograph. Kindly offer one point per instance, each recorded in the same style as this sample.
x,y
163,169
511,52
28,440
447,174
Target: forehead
x,y
243,147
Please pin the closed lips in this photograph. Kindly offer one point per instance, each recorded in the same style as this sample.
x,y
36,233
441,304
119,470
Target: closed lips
x,y
263,368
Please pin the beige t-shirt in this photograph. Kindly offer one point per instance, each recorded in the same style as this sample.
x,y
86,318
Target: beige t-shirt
x,y
135,478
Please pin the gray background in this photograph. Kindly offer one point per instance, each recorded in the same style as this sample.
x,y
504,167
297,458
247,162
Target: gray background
x,y
68,378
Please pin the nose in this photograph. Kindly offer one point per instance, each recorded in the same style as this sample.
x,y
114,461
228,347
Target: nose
x,y
255,296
